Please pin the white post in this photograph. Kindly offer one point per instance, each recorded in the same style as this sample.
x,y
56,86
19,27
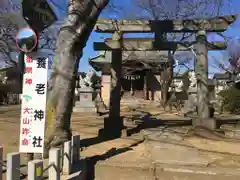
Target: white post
x,y
67,158
54,162
75,149
35,170
13,166
1,160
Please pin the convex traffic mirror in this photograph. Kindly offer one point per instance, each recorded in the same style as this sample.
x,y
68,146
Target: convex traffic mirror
x,y
26,40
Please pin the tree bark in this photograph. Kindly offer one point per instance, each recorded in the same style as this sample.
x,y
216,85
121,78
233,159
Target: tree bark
x,y
73,35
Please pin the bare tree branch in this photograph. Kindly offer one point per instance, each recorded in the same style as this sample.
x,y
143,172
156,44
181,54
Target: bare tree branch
x,y
8,31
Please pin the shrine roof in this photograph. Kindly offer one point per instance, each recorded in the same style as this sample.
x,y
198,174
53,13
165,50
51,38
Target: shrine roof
x,y
221,76
100,61
131,58
211,82
146,56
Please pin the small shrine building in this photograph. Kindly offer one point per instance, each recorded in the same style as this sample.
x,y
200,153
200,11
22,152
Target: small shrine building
x,y
140,73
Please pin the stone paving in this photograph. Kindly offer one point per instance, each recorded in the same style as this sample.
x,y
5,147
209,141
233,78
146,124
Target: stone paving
x,y
159,150
168,152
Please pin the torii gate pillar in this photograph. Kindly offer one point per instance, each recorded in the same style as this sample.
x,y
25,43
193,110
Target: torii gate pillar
x,y
114,123
203,109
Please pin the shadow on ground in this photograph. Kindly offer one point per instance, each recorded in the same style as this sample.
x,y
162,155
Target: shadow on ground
x,y
92,161
143,120
138,122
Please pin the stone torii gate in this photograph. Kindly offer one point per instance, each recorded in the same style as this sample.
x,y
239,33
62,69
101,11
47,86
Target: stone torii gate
x,y
201,46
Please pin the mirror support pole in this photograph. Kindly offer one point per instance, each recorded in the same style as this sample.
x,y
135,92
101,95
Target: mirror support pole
x,y
21,67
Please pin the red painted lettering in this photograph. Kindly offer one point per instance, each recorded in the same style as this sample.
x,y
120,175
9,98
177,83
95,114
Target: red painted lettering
x,y
27,110
25,142
29,59
25,131
25,121
28,81
28,69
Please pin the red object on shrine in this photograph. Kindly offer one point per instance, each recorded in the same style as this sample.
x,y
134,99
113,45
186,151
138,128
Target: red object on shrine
x,y
85,96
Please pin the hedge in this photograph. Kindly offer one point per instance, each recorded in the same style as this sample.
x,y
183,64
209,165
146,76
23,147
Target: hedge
x,y
231,99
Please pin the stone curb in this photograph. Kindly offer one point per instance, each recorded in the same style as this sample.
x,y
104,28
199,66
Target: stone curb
x,y
200,170
127,165
158,168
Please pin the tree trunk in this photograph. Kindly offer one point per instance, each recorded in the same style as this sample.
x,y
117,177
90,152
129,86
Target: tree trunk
x,y
73,35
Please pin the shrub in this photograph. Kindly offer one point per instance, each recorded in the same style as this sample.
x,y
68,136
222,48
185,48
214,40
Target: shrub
x,y
231,99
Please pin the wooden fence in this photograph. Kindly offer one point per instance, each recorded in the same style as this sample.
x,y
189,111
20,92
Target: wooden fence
x,y
61,161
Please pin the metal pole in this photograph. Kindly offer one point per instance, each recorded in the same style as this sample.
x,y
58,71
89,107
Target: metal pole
x,y
21,67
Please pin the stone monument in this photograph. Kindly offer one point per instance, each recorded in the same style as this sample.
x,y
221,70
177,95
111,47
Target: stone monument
x,y
190,105
85,94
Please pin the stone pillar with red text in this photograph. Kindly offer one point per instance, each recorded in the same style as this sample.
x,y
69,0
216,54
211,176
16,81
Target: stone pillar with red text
x,y
86,103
